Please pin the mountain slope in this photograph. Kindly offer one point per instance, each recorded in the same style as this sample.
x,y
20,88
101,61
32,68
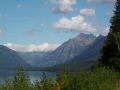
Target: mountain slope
x,y
86,59
68,50
92,52
10,58
33,57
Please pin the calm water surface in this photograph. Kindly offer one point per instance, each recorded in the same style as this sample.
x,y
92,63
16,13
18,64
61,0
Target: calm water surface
x,y
34,75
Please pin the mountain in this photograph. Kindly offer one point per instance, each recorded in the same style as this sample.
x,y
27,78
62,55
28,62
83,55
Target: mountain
x,y
33,57
93,52
85,59
10,58
68,50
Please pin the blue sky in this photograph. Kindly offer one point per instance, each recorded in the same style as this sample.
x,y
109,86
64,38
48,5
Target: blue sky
x,y
26,22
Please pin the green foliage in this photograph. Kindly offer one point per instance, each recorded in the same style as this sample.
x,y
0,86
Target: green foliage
x,y
63,80
44,83
111,51
7,86
21,80
97,79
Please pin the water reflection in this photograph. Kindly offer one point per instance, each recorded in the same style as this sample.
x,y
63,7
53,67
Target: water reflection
x,y
34,75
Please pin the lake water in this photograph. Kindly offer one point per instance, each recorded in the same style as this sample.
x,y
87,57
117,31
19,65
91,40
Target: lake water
x,y
34,75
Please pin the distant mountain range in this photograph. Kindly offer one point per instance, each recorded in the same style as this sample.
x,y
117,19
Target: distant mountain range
x,y
10,58
92,52
33,57
82,50
68,50
86,59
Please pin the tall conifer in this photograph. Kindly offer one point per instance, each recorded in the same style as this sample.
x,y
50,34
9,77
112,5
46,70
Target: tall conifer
x,y
111,51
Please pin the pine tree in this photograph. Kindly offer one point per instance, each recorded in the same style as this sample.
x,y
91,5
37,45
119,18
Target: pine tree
x,y
21,80
111,51
45,83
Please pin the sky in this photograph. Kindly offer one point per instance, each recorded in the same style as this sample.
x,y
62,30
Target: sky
x,y
41,25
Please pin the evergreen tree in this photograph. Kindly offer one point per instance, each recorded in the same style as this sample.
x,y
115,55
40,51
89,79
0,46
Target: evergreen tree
x,y
111,51
21,81
45,83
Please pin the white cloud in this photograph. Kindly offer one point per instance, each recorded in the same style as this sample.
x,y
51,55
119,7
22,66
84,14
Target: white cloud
x,y
1,31
42,25
33,32
4,16
102,1
109,14
32,48
21,5
106,31
88,12
76,23
63,6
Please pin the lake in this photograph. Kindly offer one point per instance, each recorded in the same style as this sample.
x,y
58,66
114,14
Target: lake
x,y
34,75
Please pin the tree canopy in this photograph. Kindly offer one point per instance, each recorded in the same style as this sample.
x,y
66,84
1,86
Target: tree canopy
x,y
111,51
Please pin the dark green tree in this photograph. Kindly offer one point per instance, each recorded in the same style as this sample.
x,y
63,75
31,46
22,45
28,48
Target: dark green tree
x,y
111,51
21,81
45,83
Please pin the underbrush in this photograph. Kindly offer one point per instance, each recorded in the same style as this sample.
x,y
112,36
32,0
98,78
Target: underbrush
x,y
97,79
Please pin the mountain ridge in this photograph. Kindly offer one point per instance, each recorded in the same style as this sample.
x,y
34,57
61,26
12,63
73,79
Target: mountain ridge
x,y
86,59
10,58
68,50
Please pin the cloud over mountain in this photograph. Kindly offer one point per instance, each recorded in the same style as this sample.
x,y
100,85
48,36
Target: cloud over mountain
x,y
106,31
77,24
32,48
